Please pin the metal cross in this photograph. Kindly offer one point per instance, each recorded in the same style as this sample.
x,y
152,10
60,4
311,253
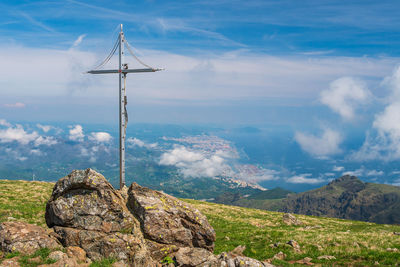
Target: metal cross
x,y
123,119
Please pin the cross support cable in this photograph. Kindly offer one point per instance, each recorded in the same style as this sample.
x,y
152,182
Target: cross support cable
x,y
123,116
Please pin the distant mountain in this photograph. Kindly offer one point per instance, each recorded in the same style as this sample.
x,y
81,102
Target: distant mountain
x,y
268,200
349,198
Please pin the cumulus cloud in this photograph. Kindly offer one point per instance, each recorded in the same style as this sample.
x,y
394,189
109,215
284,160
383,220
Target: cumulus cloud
x,y
364,172
46,141
255,174
36,152
76,133
375,173
3,122
100,137
137,142
17,134
338,168
383,141
304,179
194,163
344,95
44,128
325,145
358,172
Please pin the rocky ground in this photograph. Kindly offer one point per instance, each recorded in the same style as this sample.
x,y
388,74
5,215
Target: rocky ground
x,y
89,221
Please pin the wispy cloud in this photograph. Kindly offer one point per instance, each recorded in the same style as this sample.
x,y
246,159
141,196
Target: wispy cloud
x,y
79,40
304,179
36,22
15,105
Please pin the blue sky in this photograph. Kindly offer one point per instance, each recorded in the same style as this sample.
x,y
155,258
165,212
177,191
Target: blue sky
x,y
324,69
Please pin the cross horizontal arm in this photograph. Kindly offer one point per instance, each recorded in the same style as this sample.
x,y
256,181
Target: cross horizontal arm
x,y
122,71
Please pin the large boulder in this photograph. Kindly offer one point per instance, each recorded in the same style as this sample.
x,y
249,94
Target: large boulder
x,y
86,211
167,220
86,200
25,238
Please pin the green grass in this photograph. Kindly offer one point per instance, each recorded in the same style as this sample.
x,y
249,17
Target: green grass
x,y
24,201
351,242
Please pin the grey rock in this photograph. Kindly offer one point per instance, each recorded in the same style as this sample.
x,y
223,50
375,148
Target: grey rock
x,y
25,238
167,220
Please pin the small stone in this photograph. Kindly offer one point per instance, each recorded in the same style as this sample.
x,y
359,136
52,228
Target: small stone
x,y
376,263
327,257
57,255
77,253
11,218
305,261
227,238
295,245
238,250
280,256
290,219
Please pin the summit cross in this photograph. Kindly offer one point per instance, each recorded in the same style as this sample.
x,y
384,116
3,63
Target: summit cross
x,y
122,71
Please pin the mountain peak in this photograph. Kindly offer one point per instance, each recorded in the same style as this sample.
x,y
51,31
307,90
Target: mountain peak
x,y
348,182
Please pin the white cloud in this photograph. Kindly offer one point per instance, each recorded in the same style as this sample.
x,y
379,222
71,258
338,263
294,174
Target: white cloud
x,y
338,168
137,142
358,172
79,40
375,173
46,141
76,133
36,152
44,128
255,174
304,179
195,164
383,141
3,122
15,105
22,158
327,144
17,134
202,77
100,137
344,95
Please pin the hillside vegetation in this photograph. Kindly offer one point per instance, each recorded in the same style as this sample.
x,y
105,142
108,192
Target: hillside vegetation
x,y
262,232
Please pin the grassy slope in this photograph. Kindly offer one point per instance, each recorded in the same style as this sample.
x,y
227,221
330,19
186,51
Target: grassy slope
x,y
351,242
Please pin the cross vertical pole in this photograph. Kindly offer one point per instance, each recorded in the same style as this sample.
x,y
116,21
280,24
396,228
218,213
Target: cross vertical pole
x,y
121,112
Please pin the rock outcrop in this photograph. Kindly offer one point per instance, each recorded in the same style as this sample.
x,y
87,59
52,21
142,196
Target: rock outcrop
x,y
137,226
167,220
25,238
